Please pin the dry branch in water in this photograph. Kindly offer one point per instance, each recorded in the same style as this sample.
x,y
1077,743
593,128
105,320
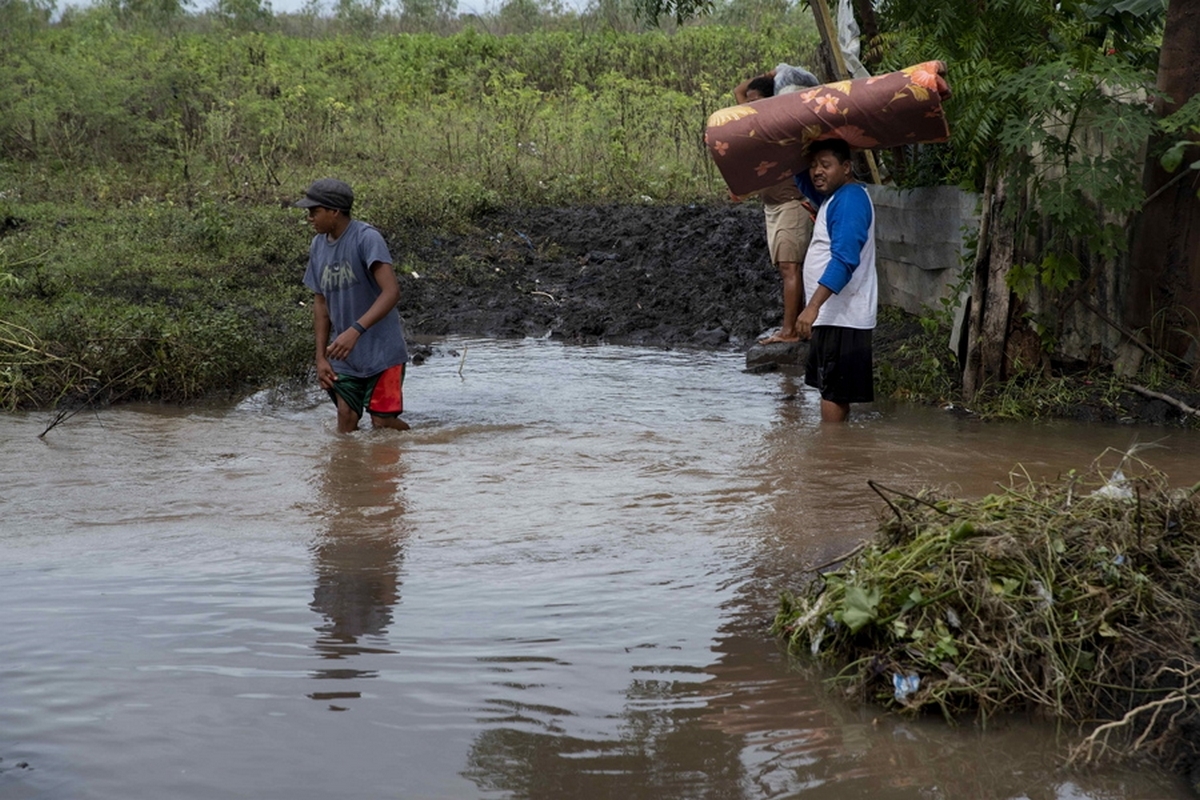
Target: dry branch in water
x,y
1150,732
1166,398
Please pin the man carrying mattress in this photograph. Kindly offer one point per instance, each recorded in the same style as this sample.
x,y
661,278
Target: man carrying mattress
x,y
788,223
840,282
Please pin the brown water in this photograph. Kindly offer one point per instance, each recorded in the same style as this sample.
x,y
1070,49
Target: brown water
x,y
555,586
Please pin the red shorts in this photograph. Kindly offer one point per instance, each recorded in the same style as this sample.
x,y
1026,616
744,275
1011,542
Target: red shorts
x,y
387,396
382,395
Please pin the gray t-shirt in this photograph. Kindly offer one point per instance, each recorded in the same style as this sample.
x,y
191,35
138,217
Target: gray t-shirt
x,y
341,272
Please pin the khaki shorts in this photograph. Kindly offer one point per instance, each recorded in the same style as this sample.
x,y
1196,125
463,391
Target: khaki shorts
x,y
788,230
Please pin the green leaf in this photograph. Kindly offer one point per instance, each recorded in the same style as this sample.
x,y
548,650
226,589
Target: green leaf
x,y
946,647
914,598
860,607
965,530
1139,8
1006,587
1174,157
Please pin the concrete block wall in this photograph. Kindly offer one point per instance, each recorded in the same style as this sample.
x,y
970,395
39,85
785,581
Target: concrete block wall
x,y
919,236
919,251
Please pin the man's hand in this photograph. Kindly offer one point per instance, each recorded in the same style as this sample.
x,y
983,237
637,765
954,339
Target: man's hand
x,y
325,374
804,322
340,347
808,317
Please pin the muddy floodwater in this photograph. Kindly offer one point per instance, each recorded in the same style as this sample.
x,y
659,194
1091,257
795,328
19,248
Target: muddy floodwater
x,y
556,585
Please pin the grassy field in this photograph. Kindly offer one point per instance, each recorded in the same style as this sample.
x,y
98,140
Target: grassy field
x,y
147,250
146,246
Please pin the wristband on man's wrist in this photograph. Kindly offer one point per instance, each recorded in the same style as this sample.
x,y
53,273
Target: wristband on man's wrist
x,y
358,327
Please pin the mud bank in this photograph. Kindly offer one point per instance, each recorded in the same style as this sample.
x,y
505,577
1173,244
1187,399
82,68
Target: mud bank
x,y
660,276
657,276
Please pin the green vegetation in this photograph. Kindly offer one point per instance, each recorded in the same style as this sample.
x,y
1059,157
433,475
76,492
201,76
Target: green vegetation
x,y
1054,123
148,301
146,250
1075,599
919,367
914,364
147,155
444,124
1049,122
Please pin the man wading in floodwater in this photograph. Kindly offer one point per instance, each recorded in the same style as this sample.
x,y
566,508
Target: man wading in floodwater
x,y
355,296
840,282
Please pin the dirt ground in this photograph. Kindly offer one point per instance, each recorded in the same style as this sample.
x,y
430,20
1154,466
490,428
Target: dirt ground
x,y
658,276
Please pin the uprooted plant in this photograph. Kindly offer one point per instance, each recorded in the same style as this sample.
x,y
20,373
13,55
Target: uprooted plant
x,y
1077,599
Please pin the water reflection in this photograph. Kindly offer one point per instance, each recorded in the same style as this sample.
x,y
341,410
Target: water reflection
x,y
743,728
357,557
664,749
586,620
816,477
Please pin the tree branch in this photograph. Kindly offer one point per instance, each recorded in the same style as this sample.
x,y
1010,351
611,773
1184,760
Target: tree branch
x,y
1166,398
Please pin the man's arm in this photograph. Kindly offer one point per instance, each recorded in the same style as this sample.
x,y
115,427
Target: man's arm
x,y
804,322
389,295
805,185
848,220
739,91
321,327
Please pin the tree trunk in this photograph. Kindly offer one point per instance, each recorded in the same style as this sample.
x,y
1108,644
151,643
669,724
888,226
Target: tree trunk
x,y
991,299
1163,301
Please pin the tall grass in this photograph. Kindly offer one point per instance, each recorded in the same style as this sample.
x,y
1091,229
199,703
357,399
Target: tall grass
x,y
146,250
96,114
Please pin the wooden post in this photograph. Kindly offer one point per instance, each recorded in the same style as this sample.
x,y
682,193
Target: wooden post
x,y
972,366
829,38
841,72
835,66
991,299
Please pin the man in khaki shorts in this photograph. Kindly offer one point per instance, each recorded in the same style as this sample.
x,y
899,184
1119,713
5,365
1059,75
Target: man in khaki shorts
x,y
789,228
789,223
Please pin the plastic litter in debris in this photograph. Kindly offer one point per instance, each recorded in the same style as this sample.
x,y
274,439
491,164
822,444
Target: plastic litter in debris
x,y
905,685
1117,487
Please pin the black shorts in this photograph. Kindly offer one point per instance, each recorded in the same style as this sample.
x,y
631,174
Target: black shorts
x,y
840,364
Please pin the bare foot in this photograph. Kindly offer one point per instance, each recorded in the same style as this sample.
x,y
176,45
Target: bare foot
x,y
779,338
389,422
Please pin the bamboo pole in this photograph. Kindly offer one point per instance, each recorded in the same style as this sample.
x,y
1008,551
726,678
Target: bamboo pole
x,y
829,38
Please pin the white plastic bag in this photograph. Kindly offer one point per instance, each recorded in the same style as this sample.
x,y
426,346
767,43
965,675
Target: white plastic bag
x,y
848,34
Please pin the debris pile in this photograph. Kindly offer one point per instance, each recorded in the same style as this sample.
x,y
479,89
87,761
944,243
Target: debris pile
x,y
1078,599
